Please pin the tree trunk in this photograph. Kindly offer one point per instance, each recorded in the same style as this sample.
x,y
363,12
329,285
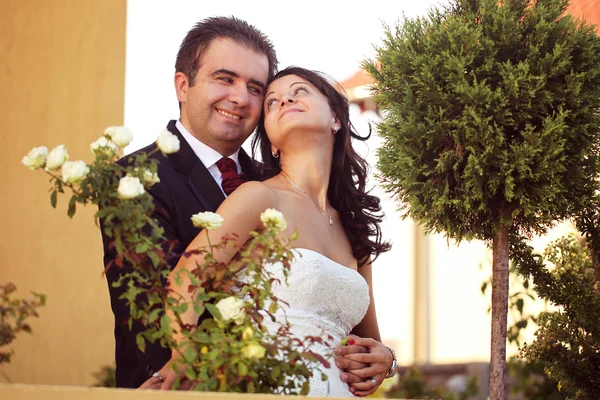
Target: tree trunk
x,y
499,315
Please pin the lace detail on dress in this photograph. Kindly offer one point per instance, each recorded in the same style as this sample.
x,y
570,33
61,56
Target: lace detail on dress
x,y
325,298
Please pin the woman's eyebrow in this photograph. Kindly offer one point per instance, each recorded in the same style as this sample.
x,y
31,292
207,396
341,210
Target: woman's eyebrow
x,y
295,83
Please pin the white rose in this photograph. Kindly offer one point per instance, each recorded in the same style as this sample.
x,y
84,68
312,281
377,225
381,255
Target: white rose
x,y
254,350
167,142
103,145
232,309
36,158
273,219
57,158
120,135
74,171
130,187
149,178
207,220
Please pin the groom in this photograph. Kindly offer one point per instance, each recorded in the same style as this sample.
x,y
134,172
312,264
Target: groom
x,y
222,69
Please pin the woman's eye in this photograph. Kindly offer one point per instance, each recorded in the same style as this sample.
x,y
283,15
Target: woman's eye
x,y
300,88
270,102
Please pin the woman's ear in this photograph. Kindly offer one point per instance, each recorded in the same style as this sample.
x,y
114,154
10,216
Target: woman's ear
x,y
274,152
335,125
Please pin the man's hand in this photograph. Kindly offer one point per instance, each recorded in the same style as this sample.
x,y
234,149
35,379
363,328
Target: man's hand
x,y
364,363
166,377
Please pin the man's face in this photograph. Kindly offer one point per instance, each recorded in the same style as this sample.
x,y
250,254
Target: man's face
x,y
223,107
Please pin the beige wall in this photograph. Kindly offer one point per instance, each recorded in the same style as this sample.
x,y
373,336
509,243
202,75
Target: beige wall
x,y
61,81
26,392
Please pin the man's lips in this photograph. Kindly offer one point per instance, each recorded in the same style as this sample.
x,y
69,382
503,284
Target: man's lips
x,y
229,114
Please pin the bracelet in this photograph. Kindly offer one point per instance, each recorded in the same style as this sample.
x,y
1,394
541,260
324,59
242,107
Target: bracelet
x,y
394,367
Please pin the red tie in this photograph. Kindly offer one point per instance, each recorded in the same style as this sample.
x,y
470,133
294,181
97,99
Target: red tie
x,y
231,178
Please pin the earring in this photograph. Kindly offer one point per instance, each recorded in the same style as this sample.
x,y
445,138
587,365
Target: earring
x,y
275,154
336,129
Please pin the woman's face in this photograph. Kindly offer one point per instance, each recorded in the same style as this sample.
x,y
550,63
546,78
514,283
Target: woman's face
x,y
292,104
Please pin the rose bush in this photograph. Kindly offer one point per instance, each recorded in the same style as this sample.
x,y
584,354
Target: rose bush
x,y
230,350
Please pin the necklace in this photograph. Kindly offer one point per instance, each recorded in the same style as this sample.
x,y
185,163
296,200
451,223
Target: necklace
x,y
307,195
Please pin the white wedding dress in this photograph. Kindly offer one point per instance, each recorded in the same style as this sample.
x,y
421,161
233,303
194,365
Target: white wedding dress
x,y
324,297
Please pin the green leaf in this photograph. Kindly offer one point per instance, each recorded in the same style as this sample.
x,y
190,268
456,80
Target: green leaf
x,y
190,354
276,372
520,304
305,388
165,324
72,207
154,315
141,247
141,342
190,374
214,311
242,369
198,308
53,198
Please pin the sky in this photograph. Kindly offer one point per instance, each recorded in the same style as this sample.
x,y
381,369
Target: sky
x,y
330,36
333,37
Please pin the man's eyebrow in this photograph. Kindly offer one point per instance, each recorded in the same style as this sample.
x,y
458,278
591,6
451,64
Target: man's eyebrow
x,y
236,75
295,83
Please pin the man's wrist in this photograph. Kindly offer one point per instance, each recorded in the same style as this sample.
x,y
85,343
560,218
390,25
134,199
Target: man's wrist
x,y
394,367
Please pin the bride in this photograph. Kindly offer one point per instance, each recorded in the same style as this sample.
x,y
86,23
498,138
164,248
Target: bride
x,y
318,183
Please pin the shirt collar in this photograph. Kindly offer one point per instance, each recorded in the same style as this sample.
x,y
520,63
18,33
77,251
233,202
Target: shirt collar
x,y
206,154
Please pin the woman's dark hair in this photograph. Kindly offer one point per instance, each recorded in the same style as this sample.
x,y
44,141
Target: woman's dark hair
x,y
360,212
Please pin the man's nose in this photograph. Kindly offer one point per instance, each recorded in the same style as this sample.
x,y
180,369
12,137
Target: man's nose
x,y
239,95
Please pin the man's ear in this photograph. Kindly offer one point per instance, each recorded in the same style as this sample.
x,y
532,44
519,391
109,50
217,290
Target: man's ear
x,y
181,86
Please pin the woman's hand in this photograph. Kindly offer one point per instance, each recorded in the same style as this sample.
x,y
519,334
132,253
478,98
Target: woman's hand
x,y
365,363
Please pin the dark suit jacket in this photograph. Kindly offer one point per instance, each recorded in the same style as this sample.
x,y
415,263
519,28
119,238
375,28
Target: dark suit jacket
x,y
186,188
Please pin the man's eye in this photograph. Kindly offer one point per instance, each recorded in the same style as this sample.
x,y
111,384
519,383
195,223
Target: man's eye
x,y
255,90
226,79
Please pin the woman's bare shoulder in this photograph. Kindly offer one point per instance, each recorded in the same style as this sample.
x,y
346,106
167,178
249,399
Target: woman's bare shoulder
x,y
259,194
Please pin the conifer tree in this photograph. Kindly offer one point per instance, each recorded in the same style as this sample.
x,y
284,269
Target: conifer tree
x,y
491,127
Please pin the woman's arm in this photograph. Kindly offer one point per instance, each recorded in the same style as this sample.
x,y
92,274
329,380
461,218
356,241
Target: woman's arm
x,y
241,214
368,327
365,357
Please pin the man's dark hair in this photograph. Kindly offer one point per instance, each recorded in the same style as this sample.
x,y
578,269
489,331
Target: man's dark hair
x,y
204,32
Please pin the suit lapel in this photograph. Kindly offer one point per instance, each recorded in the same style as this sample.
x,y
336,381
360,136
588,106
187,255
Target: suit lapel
x,y
248,166
200,181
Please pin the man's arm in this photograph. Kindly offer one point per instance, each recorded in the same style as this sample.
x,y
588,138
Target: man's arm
x,y
133,365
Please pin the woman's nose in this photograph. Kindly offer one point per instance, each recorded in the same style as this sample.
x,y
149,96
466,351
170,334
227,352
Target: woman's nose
x,y
287,99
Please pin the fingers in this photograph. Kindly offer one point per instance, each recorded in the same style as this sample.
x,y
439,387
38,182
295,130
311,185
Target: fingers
x,y
345,364
151,384
366,387
364,342
363,393
343,350
350,378
366,373
368,358
170,378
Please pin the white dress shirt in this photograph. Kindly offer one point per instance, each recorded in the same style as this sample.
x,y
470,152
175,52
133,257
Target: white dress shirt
x,y
208,155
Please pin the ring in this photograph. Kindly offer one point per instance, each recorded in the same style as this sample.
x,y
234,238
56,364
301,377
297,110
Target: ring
x,y
373,381
158,375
